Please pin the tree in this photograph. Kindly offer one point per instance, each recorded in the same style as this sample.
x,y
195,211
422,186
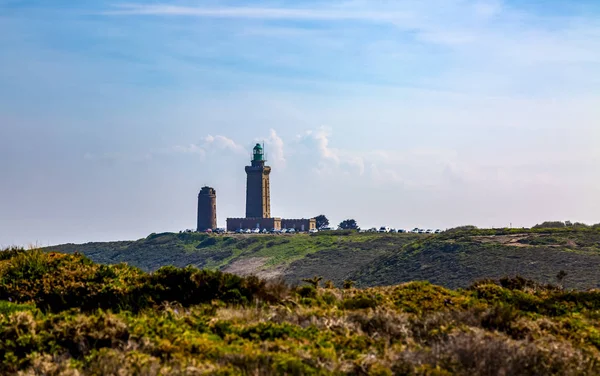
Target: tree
x,y
322,221
349,224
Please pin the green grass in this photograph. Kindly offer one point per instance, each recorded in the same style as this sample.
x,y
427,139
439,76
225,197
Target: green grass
x,y
453,259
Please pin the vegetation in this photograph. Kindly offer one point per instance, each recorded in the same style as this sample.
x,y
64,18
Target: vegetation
x,y
62,314
559,224
455,258
321,221
349,224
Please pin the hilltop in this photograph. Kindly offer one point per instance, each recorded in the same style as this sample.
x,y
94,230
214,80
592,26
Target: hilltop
x,y
63,314
452,259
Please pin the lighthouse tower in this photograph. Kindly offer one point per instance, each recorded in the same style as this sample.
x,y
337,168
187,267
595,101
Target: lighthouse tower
x,y
258,190
207,209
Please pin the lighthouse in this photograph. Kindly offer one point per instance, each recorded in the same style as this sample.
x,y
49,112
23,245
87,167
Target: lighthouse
x,y
258,190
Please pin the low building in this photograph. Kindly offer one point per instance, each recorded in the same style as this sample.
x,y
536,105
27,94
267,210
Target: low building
x,y
234,224
299,224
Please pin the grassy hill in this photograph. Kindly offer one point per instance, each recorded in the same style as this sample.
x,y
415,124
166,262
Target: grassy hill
x,y
62,314
452,259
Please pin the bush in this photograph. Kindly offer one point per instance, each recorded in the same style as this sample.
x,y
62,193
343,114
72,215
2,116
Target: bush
x,y
360,302
461,228
6,308
58,282
551,224
307,291
184,320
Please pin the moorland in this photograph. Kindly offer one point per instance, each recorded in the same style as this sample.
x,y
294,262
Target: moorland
x,y
453,259
63,314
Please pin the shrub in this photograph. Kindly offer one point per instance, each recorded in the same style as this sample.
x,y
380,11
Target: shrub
x,y
551,224
7,308
461,228
348,284
11,252
500,318
360,302
307,291
517,283
184,320
314,281
57,282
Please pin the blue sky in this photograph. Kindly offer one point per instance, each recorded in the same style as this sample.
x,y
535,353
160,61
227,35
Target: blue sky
x,y
403,113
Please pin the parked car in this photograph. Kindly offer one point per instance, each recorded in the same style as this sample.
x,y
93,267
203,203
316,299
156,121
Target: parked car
x,y
313,231
400,231
255,230
208,231
291,231
429,231
438,231
240,231
274,231
219,231
384,229
247,231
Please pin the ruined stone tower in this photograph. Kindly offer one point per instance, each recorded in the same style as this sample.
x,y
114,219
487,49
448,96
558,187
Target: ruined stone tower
x,y
258,191
207,209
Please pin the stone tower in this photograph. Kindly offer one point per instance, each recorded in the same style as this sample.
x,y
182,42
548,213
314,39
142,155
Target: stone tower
x,y
207,209
258,190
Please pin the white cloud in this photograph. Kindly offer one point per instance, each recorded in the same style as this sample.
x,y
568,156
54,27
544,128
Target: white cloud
x,y
275,152
189,149
320,139
222,142
209,144
255,12
330,159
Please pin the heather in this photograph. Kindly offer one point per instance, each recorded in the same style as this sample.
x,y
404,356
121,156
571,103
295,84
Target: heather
x,y
62,314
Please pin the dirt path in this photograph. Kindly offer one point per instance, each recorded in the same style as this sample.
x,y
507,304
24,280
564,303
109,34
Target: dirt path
x,y
254,266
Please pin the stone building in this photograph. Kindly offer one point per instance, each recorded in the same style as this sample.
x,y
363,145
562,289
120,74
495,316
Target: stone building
x,y
258,191
234,224
207,209
258,200
299,224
